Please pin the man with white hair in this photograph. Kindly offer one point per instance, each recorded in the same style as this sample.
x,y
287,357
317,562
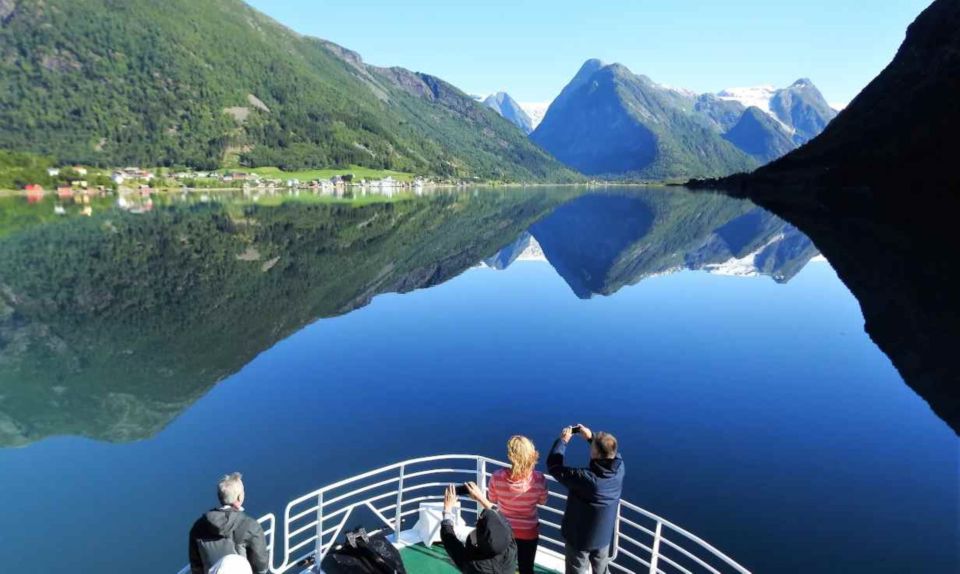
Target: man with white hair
x,y
226,531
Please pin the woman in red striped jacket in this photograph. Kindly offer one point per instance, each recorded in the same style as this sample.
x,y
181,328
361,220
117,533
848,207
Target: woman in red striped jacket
x,y
517,491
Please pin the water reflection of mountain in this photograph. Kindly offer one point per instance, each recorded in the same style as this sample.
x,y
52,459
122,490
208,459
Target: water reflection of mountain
x,y
524,248
600,243
112,325
898,258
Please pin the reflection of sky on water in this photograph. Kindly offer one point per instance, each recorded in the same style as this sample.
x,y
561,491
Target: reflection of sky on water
x,y
757,414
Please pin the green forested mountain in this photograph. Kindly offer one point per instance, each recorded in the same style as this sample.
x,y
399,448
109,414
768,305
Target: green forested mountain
x,y
204,82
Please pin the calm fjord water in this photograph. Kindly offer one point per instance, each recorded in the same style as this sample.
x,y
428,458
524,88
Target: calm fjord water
x,y
143,355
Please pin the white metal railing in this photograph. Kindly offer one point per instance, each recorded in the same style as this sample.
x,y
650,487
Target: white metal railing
x,y
312,523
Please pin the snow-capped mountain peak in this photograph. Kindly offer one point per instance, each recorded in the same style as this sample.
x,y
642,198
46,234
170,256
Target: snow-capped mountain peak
x,y
536,111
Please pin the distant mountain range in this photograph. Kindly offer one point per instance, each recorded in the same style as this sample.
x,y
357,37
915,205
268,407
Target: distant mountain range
x,y
525,115
609,121
762,121
214,82
504,105
800,108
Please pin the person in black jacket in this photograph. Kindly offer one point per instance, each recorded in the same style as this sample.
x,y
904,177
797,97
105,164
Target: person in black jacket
x,y
593,501
489,548
227,530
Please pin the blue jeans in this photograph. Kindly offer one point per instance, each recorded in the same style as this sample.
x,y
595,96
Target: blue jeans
x,y
583,561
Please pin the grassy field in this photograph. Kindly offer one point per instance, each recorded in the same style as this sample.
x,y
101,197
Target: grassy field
x,y
312,174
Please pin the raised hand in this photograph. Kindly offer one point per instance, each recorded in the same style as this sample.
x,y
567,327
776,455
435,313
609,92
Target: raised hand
x,y
449,498
587,433
475,493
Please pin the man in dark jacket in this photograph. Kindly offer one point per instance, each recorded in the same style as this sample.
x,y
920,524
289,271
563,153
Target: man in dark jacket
x,y
489,548
593,501
227,530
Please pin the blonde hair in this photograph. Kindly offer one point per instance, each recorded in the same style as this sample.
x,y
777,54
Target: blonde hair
x,y
523,456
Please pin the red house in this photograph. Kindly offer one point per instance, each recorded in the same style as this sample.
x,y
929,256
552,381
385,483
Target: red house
x,y
34,193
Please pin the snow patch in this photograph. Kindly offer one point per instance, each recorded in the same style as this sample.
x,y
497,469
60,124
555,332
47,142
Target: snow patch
x,y
532,252
536,111
756,96
745,266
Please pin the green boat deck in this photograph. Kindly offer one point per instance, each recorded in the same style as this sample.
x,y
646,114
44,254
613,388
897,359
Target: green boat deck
x,y
420,559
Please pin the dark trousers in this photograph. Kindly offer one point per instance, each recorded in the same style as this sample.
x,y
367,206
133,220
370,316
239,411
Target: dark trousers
x,y
526,554
585,561
455,549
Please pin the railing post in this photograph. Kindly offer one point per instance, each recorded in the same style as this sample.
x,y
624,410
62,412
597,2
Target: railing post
x,y
318,549
398,519
482,475
655,551
272,544
481,481
286,535
616,534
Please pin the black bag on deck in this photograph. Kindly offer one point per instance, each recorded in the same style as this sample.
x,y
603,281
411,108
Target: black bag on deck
x,y
363,554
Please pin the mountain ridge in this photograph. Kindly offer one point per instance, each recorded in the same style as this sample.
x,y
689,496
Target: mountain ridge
x,y
610,121
215,82
640,128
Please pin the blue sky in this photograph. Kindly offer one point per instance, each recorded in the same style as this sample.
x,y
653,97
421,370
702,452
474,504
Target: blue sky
x,y
531,48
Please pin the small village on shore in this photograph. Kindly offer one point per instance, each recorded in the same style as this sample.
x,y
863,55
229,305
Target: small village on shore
x,y
74,180
134,187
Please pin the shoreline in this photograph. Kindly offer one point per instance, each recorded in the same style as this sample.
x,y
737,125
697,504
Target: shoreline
x,y
402,188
